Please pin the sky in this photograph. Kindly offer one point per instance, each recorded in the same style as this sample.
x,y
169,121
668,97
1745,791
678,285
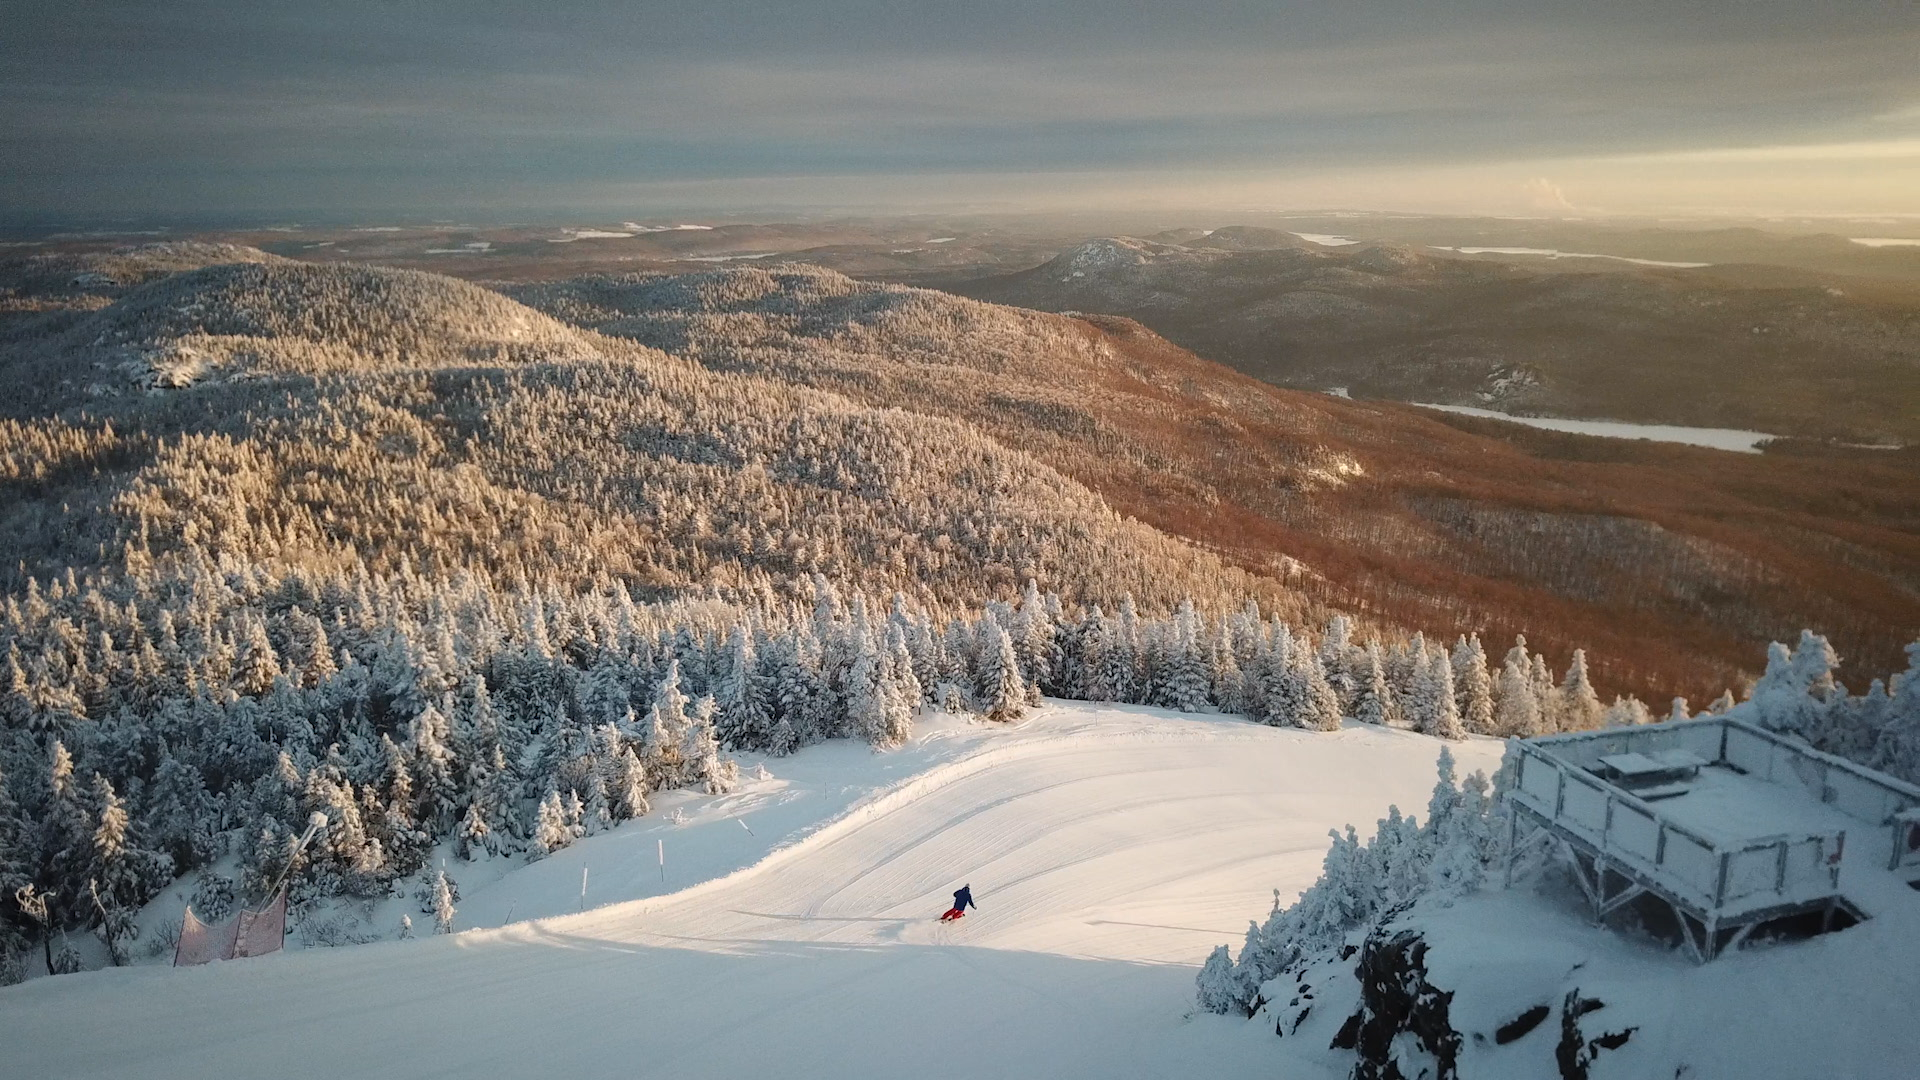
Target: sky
x,y
509,111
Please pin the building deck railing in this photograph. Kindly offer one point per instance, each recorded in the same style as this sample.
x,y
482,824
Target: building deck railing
x,y
1556,780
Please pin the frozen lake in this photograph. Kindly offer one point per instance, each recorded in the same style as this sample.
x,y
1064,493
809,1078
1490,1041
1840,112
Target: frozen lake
x,y
1326,239
1745,442
1555,253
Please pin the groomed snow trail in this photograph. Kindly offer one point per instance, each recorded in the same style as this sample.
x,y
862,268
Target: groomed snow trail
x,y
1109,849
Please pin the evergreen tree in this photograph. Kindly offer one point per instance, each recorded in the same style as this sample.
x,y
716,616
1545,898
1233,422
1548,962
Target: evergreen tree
x,y
630,787
66,829
706,769
1182,675
443,910
1517,708
1222,989
122,875
1125,655
1283,692
1337,659
903,694
666,729
1626,712
997,687
438,795
474,834
1319,705
1374,702
1546,694
1032,635
259,664
1580,707
1473,686
1096,642
867,691
1440,714
745,718
554,828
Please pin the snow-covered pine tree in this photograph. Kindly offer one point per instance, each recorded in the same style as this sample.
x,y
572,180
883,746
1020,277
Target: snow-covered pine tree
x,y
603,697
259,664
1228,690
66,830
706,768
121,875
443,909
1222,989
1407,665
865,689
1373,703
1897,745
182,817
1441,714
473,834
745,718
438,791
903,696
1516,710
1473,686
1319,705
997,686
553,827
1095,639
1032,635
1336,659
1546,694
665,729
1626,712
1182,674
1126,657
630,787
1579,704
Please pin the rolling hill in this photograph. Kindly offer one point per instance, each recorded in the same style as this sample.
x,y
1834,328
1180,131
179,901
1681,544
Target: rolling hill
x,y
1672,565
1760,348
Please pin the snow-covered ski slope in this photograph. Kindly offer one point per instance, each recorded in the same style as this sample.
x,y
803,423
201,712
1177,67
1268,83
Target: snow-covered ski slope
x,y
1109,849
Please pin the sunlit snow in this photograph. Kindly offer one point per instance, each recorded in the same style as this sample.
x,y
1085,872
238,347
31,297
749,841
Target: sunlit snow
x,y
1108,848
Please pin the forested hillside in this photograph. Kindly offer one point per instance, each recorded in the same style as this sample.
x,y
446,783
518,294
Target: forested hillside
x,y
1759,348
472,580
276,535
1673,566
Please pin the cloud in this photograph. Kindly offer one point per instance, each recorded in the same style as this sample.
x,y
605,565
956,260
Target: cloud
x,y
1543,194
353,106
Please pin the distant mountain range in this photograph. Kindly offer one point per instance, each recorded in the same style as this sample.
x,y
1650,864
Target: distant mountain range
x,y
1775,349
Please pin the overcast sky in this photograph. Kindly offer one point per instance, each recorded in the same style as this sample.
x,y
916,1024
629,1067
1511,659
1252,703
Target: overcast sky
x,y
345,107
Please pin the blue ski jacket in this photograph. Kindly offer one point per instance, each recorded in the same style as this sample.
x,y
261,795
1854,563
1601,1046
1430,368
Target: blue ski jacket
x,y
963,899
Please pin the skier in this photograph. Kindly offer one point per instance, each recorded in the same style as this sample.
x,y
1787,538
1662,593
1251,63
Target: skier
x,y
962,900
